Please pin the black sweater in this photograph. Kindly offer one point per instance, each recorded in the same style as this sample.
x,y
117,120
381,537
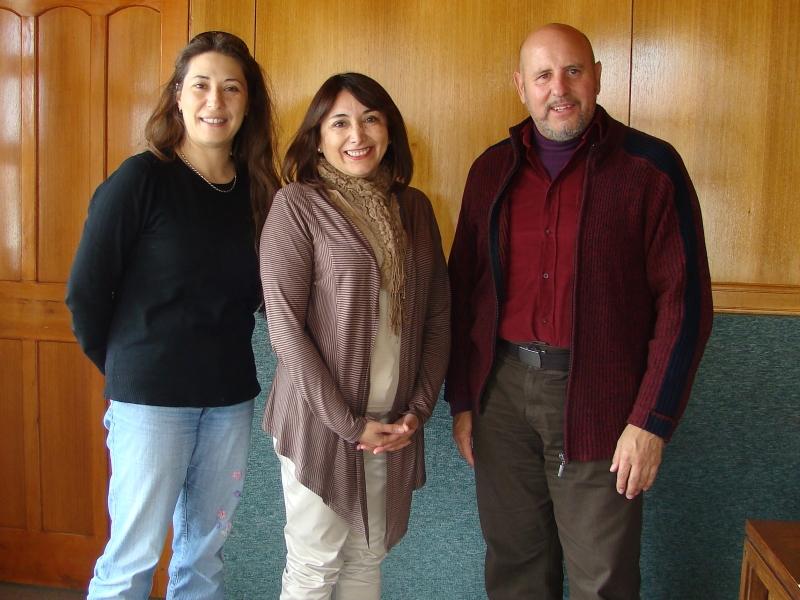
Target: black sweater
x,y
164,286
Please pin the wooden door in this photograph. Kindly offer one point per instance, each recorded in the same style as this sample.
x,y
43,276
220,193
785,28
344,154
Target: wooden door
x,y
77,80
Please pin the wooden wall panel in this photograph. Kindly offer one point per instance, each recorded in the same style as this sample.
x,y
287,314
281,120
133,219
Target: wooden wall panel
x,y
68,432
447,64
64,136
77,81
10,140
717,80
778,227
235,16
133,80
12,442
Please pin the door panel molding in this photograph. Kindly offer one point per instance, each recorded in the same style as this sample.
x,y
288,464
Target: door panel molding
x,y
55,154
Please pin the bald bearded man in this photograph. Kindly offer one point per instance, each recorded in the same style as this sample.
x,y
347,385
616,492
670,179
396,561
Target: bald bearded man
x,y
581,307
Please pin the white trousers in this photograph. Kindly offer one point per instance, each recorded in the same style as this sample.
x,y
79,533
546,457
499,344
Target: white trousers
x,y
324,558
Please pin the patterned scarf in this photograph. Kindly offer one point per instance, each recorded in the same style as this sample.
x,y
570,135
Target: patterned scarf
x,y
371,199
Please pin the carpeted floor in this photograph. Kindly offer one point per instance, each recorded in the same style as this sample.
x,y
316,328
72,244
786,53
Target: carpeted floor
x,y
736,455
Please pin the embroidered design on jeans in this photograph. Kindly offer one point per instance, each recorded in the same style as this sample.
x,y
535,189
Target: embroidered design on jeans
x,y
223,525
224,528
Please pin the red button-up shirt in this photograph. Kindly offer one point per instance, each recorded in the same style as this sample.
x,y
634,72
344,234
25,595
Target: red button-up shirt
x,y
543,224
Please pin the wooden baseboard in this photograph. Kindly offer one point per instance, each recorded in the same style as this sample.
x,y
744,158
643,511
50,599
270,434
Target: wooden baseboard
x,y
745,298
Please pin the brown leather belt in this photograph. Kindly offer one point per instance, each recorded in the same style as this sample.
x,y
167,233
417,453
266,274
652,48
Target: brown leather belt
x,y
538,356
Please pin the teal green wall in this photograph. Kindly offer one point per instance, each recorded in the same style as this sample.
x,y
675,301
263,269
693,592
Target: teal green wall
x,y
736,455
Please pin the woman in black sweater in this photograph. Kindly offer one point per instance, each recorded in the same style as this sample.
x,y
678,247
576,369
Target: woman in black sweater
x,y
162,293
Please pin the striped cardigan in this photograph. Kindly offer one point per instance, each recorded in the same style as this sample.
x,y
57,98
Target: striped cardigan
x,y
321,286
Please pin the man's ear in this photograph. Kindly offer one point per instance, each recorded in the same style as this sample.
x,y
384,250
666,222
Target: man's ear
x,y
519,83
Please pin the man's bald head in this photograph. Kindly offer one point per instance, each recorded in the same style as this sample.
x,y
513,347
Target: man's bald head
x,y
538,36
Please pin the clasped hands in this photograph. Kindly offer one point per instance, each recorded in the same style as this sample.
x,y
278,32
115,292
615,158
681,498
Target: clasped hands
x,y
380,437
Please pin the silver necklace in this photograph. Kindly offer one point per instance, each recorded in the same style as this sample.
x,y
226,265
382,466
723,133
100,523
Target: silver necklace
x,y
200,175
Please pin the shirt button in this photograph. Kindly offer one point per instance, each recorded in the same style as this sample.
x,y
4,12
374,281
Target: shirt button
x,y
547,231
544,321
546,275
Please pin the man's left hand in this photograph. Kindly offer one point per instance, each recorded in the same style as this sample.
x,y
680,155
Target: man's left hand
x,y
636,460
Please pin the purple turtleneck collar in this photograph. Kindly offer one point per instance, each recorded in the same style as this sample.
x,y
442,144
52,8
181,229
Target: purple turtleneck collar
x,y
554,155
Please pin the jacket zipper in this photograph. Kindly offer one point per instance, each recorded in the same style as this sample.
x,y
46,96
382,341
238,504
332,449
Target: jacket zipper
x,y
563,455
492,208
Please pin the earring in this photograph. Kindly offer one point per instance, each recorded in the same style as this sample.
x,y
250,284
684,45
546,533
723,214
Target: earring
x,y
319,150
180,110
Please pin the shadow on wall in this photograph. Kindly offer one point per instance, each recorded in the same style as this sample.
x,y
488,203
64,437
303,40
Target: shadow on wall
x,y
736,455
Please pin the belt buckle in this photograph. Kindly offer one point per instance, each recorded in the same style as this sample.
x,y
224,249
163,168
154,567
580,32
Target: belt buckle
x,y
532,357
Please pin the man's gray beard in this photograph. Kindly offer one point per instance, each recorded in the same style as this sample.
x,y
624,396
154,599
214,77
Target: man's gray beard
x,y
563,135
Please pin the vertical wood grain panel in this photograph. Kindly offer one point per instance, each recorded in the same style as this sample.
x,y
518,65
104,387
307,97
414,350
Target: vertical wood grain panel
x,y
235,16
31,435
447,64
64,140
28,150
96,143
12,442
726,76
778,229
133,80
174,34
67,439
10,145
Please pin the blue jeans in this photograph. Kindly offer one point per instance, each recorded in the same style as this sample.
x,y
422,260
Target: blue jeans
x,y
187,464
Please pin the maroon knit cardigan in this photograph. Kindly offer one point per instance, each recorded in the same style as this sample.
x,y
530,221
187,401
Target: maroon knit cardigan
x,y
642,309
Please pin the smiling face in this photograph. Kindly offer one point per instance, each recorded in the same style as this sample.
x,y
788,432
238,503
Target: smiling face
x,y
558,81
353,138
213,100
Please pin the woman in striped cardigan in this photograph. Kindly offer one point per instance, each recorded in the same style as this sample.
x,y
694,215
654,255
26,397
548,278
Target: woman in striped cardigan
x,y
357,301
